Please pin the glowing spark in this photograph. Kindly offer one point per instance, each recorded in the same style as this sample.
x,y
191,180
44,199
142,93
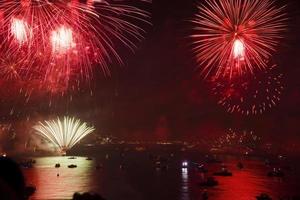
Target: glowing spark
x,y
63,133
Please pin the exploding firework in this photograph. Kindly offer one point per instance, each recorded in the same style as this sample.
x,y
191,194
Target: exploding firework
x,y
249,94
238,140
63,133
13,67
68,38
236,36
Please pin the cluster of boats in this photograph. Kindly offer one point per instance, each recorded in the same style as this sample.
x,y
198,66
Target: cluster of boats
x,y
57,165
163,163
210,181
98,166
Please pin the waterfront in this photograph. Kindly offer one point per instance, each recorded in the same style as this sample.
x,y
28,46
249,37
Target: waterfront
x,y
138,178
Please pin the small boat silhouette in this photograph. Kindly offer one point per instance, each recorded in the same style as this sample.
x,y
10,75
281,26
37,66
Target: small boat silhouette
x,y
209,182
72,166
276,173
223,172
99,166
240,165
263,197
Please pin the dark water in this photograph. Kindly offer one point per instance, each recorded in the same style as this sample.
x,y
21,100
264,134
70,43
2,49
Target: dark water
x,y
140,180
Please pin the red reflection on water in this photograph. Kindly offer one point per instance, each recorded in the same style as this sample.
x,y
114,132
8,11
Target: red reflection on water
x,y
245,184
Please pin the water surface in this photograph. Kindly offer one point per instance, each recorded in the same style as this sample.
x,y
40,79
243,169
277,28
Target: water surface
x,y
139,179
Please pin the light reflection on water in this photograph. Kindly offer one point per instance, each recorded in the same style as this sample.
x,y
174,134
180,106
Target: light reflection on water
x,y
51,186
140,180
185,184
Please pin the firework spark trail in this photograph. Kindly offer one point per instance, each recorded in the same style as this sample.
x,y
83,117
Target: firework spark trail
x,y
69,37
12,66
249,95
239,35
236,139
63,133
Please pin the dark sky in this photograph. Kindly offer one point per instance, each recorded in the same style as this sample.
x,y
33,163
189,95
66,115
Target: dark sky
x,y
158,94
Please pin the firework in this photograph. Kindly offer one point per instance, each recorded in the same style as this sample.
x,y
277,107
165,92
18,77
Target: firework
x,y
249,95
62,40
13,67
63,133
236,35
68,38
234,139
20,30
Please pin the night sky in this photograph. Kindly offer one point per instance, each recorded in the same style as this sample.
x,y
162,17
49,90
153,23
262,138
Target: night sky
x,y
159,94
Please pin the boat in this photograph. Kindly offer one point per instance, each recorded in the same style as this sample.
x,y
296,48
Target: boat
x,y
205,195
32,161
263,197
276,173
99,166
72,166
161,166
72,158
122,166
201,169
209,182
161,163
240,165
57,165
223,172
89,158
212,159
223,165
185,164
140,149
164,167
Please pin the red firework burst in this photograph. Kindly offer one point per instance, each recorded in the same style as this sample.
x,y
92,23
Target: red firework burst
x,y
13,66
20,30
67,37
249,94
236,35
